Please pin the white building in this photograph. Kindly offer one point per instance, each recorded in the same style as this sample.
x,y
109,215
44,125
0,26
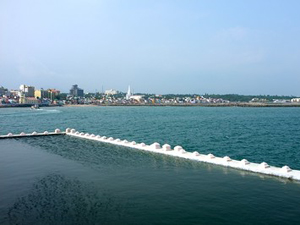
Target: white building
x,y
27,90
295,100
111,92
137,97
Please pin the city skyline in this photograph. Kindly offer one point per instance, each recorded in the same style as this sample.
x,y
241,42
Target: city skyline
x,y
114,91
248,47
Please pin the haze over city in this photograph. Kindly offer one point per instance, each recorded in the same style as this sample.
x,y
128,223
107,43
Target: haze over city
x,y
242,47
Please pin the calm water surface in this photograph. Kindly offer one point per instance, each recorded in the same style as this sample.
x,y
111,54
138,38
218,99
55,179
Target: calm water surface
x,y
64,180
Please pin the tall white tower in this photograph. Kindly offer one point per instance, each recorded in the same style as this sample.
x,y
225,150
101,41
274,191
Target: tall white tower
x,y
128,95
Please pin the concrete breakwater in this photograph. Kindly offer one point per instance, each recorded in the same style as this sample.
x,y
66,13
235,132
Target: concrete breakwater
x,y
177,151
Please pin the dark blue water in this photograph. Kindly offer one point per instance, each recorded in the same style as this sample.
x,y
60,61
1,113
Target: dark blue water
x,y
64,180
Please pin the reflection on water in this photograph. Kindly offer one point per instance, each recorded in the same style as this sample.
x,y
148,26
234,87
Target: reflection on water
x,y
56,199
103,156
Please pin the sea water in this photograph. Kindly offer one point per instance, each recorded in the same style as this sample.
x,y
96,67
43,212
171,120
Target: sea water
x,y
64,180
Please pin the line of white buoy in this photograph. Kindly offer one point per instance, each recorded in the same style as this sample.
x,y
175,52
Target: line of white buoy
x,y
33,134
178,151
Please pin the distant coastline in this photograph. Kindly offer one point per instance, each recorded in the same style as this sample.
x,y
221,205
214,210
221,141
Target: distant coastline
x,y
231,104
25,105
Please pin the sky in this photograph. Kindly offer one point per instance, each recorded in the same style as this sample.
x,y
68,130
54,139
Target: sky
x,y
156,46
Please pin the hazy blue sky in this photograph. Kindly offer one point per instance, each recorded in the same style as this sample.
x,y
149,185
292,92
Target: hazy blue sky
x,y
233,46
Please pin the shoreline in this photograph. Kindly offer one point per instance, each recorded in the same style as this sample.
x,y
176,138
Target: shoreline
x,y
26,106
212,105
233,104
79,105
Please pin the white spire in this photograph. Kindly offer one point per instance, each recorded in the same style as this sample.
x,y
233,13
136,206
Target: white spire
x,y
128,95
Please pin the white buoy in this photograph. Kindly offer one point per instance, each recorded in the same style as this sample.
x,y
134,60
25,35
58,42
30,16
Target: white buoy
x,y
73,131
81,134
210,156
166,147
68,130
227,158
77,133
286,169
142,145
155,145
93,135
34,133
264,165
196,153
182,151
244,162
22,134
46,132
57,131
9,134
177,148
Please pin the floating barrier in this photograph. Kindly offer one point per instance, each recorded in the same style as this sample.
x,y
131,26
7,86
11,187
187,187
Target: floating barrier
x,y
33,134
178,151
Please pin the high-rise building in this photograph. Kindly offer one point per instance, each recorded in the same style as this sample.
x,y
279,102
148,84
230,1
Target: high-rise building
x,y
2,91
76,91
27,90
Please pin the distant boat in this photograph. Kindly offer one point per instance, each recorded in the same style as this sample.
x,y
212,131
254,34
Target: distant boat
x,y
36,106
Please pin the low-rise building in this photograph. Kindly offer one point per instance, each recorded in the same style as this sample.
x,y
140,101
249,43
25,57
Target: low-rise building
x,y
28,100
111,92
295,100
137,98
40,94
281,101
53,93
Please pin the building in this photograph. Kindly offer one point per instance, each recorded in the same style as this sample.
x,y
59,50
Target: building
x,y
76,91
2,91
40,94
49,94
27,90
131,96
53,93
295,100
137,98
28,100
111,92
14,93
